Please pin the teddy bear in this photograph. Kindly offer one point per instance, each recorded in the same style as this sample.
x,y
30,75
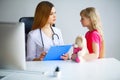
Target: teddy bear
x,y
80,48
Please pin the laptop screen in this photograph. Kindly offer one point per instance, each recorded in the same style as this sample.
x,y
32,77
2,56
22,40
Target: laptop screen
x,y
12,45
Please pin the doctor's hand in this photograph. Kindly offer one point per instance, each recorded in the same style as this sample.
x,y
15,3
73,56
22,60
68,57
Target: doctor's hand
x,y
65,57
42,55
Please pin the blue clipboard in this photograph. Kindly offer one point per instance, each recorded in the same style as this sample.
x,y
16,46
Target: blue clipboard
x,y
55,52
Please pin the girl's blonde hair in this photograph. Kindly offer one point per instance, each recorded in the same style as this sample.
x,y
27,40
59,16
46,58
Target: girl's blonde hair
x,y
94,16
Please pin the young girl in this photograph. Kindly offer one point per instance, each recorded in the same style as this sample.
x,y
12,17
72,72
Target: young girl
x,y
94,37
43,35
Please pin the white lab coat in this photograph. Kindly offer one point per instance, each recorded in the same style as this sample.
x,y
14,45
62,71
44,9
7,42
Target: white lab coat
x,y
34,43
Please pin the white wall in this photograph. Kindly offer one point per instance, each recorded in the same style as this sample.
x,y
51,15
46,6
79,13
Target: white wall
x,y
68,19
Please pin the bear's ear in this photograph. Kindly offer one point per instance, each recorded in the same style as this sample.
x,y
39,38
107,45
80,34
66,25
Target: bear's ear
x,y
79,38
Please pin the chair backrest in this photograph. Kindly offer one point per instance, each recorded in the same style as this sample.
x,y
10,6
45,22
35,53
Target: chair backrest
x,y
28,21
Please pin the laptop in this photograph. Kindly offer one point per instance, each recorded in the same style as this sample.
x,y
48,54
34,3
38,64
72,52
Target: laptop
x,y
12,46
55,52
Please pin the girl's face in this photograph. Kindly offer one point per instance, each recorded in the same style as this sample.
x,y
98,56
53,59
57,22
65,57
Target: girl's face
x,y
52,16
85,21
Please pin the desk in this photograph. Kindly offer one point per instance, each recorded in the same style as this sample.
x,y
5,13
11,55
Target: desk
x,y
101,69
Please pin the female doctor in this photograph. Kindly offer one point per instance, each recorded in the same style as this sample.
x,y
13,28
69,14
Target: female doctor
x,y
43,35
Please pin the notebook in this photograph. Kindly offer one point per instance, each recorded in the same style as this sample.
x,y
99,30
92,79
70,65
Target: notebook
x,y
55,52
12,46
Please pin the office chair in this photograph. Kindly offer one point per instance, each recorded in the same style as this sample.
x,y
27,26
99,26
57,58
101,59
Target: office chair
x,y
28,21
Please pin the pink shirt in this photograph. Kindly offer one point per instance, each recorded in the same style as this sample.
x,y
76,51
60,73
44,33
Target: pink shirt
x,y
93,36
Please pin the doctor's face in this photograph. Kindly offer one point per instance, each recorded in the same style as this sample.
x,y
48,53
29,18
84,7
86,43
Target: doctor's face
x,y
52,16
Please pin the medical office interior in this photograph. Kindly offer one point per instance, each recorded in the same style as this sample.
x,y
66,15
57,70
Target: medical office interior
x,y
68,18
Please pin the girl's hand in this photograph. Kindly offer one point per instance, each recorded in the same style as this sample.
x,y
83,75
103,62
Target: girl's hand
x,y
65,57
74,56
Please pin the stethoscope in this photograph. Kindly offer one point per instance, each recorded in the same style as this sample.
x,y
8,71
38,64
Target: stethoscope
x,y
53,37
